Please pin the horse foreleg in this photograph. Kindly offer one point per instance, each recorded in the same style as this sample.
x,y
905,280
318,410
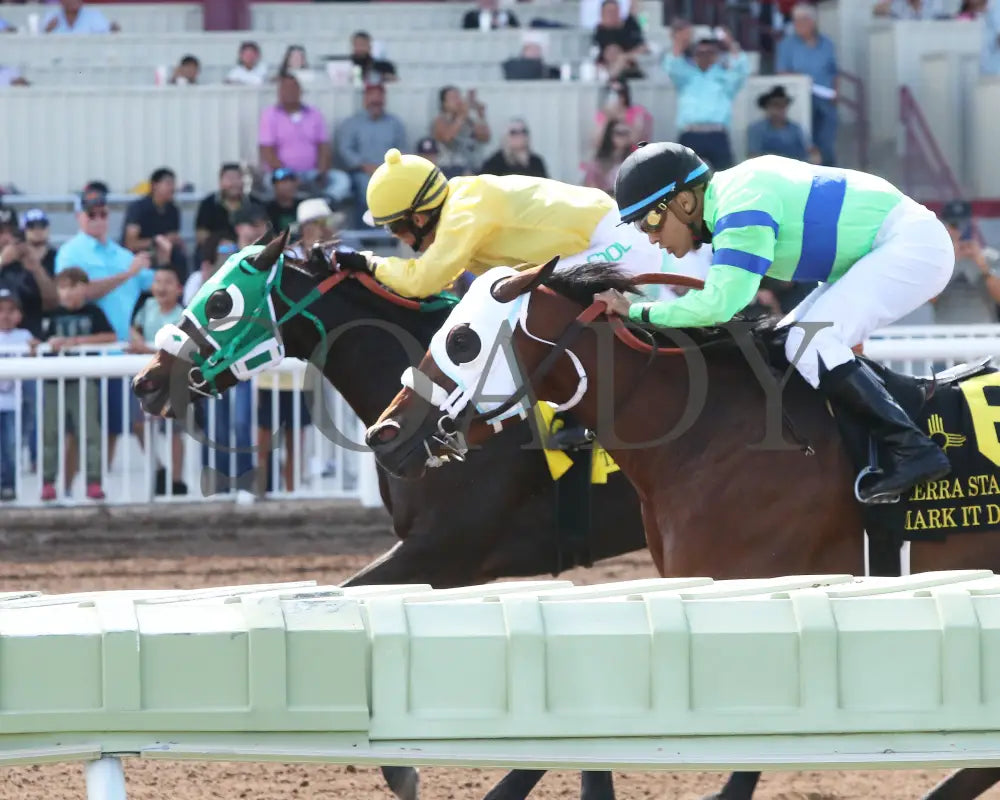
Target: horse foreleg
x,y
740,786
597,786
404,782
516,785
653,539
965,784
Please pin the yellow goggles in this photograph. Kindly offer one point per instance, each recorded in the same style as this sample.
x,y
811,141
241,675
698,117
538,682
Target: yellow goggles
x,y
653,220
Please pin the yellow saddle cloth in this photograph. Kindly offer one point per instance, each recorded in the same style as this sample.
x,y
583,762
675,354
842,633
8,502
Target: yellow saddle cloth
x,y
601,463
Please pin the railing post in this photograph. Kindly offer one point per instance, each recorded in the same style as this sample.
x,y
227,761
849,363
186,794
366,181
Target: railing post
x,y
105,779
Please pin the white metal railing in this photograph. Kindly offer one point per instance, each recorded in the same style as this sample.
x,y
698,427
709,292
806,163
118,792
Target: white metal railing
x,y
228,460
229,455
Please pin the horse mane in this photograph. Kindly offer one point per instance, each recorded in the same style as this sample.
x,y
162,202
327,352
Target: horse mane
x,y
581,282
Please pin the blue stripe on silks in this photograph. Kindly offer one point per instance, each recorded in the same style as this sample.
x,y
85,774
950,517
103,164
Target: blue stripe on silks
x,y
742,219
819,228
758,265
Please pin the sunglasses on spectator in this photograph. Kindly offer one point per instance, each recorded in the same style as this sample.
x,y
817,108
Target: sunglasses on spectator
x,y
653,220
97,213
31,226
518,131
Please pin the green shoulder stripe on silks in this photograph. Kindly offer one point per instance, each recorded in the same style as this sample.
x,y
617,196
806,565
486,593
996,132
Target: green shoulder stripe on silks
x,y
602,464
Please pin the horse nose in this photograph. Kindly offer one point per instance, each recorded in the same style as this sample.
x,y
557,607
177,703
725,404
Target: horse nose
x,y
144,386
382,434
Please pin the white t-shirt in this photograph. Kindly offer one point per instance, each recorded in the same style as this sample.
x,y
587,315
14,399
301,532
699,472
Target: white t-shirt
x,y
18,336
250,77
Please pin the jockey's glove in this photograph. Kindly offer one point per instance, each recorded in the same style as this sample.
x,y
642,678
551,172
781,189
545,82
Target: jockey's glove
x,y
354,262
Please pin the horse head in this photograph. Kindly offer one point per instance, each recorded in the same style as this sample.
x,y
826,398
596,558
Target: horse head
x,y
472,378
228,332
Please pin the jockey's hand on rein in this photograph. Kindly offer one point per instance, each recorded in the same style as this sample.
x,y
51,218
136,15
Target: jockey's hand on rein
x,y
616,302
353,262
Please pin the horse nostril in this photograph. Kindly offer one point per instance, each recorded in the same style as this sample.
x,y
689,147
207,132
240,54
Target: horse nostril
x,y
145,386
383,433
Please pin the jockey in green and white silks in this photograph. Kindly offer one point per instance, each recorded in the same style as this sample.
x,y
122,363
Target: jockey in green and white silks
x,y
877,254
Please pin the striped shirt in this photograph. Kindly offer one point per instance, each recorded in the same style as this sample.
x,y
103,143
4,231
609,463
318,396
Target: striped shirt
x,y
782,218
795,221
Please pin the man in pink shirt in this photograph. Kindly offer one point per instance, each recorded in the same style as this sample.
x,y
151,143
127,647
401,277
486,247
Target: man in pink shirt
x,y
293,135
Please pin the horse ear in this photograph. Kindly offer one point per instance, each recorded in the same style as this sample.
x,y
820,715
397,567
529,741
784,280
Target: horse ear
x,y
265,238
265,259
507,289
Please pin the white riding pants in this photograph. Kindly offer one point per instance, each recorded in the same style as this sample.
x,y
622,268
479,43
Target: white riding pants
x,y
632,250
911,261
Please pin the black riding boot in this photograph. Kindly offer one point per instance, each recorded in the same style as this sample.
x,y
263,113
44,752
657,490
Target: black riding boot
x,y
913,457
567,434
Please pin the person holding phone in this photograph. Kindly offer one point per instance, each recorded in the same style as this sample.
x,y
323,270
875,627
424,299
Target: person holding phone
x,y
460,129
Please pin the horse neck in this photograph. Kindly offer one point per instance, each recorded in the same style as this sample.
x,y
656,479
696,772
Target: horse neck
x,y
364,360
649,398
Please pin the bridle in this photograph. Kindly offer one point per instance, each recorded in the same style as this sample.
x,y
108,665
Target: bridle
x,y
452,403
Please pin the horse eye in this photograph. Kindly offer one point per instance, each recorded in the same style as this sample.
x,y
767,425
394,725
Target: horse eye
x,y
219,305
462,344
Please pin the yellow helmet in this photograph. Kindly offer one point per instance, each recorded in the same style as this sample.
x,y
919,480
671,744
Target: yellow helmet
x,y
403,185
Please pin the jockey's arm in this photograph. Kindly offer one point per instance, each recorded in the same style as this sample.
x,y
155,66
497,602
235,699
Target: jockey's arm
x,y
728,290
451,253
743,251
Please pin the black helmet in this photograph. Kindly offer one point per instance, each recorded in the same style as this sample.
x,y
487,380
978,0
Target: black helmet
x,y
653,174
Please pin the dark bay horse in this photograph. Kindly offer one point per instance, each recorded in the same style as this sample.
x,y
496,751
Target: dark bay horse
x,y
713,502
504,526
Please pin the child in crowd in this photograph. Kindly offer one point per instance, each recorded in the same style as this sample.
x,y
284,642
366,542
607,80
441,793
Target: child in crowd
x,y
73,324
163,308
12,336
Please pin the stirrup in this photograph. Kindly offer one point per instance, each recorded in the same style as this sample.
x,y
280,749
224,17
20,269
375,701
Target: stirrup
x,y
873,501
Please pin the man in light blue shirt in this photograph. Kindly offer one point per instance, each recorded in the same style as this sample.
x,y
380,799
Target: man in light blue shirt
x,y
990,63
117,278
73,17
807,52
705,92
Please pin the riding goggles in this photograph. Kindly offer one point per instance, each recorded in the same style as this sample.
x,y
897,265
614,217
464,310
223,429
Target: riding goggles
x,y
653,220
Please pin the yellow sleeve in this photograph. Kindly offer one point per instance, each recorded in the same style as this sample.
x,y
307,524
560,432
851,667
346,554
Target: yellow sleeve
x,y
460,230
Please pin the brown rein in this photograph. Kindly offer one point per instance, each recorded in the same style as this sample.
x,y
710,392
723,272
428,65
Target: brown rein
x,y
624,335
372,285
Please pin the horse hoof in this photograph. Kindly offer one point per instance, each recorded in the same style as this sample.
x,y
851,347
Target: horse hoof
x,y
404,782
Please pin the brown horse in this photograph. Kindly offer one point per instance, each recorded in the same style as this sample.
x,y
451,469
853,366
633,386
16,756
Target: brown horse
x,y
714,500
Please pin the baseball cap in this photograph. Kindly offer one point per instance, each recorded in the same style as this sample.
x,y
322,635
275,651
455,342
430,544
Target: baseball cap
x,y
34,216
10,294
251,214
313,208
427,147
283,174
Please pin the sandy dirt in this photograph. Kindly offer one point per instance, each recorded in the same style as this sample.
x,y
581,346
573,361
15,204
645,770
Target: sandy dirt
x,y
80,551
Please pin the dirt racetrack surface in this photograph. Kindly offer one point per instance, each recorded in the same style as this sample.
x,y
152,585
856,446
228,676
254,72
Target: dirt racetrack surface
x,y
219,544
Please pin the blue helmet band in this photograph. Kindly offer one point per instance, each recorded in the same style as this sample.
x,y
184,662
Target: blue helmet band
x,y
660,193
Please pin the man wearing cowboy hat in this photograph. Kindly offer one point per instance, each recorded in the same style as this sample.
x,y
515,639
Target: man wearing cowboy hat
x,y
776,134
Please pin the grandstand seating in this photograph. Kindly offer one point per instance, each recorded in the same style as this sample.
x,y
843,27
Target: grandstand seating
x,y
164,123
